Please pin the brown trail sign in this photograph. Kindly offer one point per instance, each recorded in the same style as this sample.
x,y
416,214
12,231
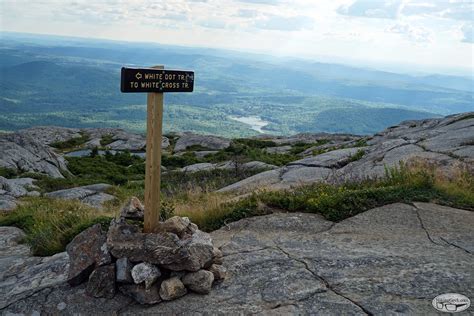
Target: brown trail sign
x,y
155,81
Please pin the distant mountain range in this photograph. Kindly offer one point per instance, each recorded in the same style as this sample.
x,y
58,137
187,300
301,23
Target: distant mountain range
x,y
75,83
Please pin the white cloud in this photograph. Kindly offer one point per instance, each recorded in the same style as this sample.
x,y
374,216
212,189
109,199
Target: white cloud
x,y
468,33
416,34
418,31
283,23
386,9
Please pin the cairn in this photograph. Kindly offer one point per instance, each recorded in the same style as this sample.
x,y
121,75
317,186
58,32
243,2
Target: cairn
x,y
149,267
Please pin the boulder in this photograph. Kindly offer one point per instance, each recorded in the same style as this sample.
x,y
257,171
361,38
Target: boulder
x,y
87,251
7,203
102,282
145,273
140,294
204,166
133,209
97,200
92,195
206,141
172,289
123,268
17,187
199,281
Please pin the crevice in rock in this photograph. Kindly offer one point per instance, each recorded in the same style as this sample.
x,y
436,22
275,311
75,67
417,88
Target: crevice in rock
x,y
283,170
454,245
423,227
447,243
322,279
246,251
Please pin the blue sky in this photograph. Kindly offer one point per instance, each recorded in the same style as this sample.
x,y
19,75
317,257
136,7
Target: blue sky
x,y
436,34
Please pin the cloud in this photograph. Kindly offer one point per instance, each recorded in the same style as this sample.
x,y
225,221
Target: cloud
x,y
468,33
387,9
416,34
213,24
247,13
393,9
455,10
269,2
281,23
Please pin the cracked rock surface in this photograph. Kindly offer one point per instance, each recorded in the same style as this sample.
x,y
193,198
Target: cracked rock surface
x,y
445,142
389,260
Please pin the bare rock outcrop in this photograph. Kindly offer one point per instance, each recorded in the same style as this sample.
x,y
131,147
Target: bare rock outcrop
x,y
210,142
444,142
24,153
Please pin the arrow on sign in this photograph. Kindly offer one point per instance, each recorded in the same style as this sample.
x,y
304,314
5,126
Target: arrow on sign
x,y
138,76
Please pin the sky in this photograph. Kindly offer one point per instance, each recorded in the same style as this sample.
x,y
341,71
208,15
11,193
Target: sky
x,y
420,34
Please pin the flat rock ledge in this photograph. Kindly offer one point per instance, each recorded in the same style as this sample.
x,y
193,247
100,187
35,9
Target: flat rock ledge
x,y
391,260
147,267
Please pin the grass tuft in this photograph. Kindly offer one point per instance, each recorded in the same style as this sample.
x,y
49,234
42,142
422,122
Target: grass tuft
x,y
51,224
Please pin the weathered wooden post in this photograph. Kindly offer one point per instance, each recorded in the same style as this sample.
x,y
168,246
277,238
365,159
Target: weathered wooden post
x,y
155,81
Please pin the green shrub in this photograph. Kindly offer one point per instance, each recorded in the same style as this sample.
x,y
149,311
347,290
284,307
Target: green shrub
x,y
106,140
254,143
361,143
300,147
357,156
8,173
181,161
71,143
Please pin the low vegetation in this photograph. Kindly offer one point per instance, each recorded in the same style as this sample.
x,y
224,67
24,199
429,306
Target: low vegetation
x,y
72,143
50,224
337,202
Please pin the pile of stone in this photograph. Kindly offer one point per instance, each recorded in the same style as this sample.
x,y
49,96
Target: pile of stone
x,y
149,267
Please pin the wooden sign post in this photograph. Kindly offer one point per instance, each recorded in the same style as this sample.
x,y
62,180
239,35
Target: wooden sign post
x,y
155,81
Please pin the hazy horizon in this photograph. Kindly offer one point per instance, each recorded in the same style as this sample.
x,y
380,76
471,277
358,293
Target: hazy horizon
x,y
412,36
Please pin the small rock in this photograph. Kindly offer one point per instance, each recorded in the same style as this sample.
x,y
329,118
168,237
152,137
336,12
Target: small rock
x,y
102,282
126,241
134,209
219,271
172,289
194,253
145,272
199,282
33,194
140,294
87,251
217,256
123,270
61,306
177,225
